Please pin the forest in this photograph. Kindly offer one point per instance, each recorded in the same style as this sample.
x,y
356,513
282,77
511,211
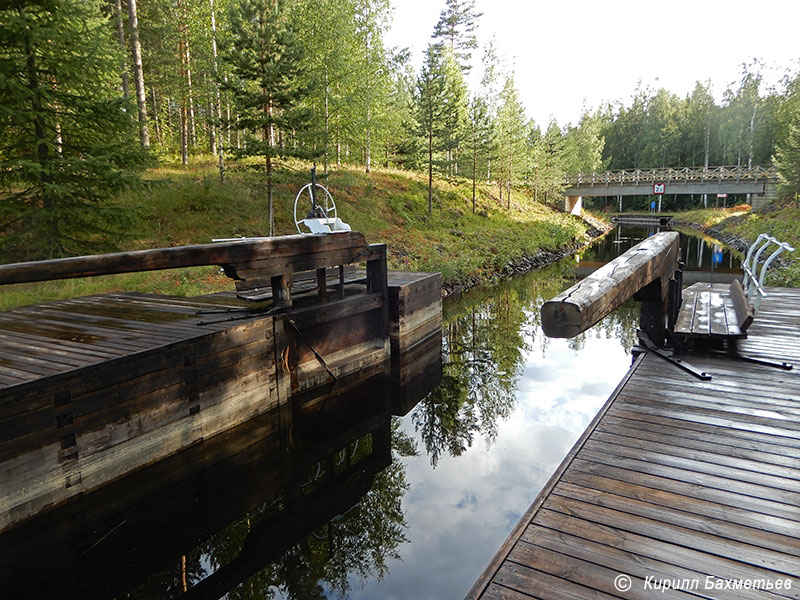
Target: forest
x,y
95,92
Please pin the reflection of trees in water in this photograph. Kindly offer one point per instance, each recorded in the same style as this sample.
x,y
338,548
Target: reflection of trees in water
x,y
359,543
356,544
486,335
619,325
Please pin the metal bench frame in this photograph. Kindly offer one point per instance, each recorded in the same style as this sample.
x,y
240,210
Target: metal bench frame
x,y
754,285
746,299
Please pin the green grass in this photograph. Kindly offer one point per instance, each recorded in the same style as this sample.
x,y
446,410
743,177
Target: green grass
x,y
190,205
708,217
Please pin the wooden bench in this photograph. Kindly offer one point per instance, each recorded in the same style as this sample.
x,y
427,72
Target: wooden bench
x,y
724,312
714,311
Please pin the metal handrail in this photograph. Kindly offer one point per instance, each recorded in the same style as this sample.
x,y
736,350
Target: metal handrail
x,y
751,283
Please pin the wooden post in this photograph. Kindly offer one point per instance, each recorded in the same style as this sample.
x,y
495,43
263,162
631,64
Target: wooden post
x,y
322,283
281,290
378,281
584,304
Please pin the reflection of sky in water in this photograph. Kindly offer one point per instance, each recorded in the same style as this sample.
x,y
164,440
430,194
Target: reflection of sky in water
x,y
459,513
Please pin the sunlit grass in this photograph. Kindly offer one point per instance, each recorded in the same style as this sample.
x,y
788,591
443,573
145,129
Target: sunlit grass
x,y
189,205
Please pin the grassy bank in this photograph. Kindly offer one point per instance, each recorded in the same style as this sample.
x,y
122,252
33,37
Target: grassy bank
x,y
781,220
189,205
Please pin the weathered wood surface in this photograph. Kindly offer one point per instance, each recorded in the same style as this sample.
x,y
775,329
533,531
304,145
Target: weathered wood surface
x,y
674,479
714,311
585,303
93,388
264,257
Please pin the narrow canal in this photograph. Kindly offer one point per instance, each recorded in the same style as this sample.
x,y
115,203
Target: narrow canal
x,y
348,500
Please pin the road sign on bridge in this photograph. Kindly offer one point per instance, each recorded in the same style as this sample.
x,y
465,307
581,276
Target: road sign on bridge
x,y
659,188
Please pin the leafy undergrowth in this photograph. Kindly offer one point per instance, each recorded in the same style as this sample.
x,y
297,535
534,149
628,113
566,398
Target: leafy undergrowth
x,y
782,221
190,205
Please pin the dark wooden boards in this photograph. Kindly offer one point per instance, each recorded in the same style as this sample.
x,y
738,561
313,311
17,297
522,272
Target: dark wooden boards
x,y
591,299
694,483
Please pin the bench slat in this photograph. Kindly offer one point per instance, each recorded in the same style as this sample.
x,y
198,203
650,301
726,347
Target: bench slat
x,y
709,311
744,312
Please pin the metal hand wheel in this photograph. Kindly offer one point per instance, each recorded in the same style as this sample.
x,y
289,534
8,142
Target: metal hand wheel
x,y
326,206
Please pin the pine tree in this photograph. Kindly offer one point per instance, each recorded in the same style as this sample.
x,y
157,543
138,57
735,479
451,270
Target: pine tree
x,y
479,138
511,134
455,111
456,30
67,140
268,82
430,103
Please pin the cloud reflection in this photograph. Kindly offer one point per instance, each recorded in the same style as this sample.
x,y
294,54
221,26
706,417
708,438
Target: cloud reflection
x,y
460,509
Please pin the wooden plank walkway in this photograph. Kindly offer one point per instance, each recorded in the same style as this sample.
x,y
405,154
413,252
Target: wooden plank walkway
x,y
59,337
696,483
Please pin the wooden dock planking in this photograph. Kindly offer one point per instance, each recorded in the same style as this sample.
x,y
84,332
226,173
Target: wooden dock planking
x,y
674,479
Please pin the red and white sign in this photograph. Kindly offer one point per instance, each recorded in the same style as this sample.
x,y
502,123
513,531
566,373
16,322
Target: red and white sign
x,y
722,195
659,188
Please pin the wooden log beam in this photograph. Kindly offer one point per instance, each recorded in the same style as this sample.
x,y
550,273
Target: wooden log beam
x,y
225,254
585,303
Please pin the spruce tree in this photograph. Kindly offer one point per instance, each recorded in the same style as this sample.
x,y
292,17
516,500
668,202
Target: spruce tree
x,y
268,82
67,140
787,159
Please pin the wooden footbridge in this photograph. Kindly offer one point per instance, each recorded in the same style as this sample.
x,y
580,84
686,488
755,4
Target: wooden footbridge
x,y
681,487
759,182
94,388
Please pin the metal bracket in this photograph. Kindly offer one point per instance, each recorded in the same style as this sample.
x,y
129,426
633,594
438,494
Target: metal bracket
x,y
681,364
780,364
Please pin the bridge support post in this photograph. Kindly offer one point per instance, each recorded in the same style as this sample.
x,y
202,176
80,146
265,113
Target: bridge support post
x,y
761,200
573,204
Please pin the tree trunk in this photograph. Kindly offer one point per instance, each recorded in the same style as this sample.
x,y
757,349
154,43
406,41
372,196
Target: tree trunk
x,y
327,127
430,163
155,114
474,170
184,109
752,137
121,38
368,153
144,132
212,130
192,122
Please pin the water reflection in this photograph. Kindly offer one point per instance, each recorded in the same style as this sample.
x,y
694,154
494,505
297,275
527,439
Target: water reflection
x,y
511,404
488,336
294,504
699,252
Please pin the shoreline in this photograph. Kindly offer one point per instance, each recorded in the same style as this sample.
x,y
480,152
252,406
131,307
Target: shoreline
x,y
595,228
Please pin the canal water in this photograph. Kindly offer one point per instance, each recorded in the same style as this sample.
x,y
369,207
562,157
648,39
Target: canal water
x,y
346,499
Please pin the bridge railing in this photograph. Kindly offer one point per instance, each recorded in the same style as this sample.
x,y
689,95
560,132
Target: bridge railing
x,y
669,175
